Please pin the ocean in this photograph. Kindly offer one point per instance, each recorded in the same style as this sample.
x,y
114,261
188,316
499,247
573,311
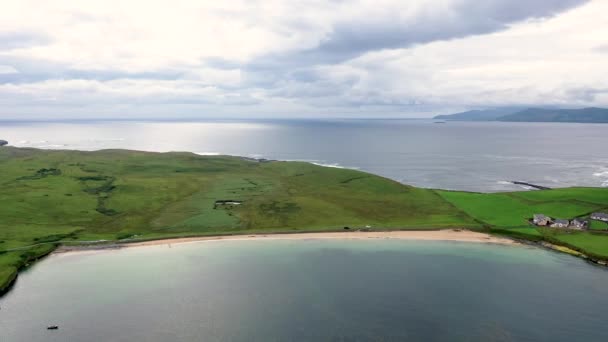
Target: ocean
x,y
473,156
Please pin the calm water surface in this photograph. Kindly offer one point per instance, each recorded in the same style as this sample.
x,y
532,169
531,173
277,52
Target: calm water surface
x,y
310,290
477,156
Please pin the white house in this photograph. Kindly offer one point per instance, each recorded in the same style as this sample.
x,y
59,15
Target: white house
x,y
578,224
560,223
600,217
541,220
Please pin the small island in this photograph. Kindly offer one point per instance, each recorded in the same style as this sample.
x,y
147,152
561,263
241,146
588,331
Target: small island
x,y
3,142
55,198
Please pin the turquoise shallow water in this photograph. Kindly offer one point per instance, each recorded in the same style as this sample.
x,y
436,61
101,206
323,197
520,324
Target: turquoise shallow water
x,y
305,290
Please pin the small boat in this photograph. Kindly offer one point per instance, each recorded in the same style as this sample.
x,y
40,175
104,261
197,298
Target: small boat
x,y
52,327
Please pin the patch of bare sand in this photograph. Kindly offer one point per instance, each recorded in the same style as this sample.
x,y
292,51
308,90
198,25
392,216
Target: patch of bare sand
x,y
437,235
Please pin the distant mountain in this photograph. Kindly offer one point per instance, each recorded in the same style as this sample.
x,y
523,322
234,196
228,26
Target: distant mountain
x,y
584,115
588,115
479,115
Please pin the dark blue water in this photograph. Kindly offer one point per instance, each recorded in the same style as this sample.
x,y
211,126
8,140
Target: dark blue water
x,y
477,156
310,290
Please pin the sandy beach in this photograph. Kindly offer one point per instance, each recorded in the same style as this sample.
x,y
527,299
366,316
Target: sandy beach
x,y
437,235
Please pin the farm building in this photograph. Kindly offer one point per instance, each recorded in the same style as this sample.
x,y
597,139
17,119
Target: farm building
x,y
558,223
600,217
226,203
541,220
578,224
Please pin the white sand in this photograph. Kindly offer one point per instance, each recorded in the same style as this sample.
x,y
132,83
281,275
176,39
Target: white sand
x,y
427,235
436,235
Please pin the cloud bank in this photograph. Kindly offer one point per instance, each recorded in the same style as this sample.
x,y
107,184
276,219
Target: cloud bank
x,y
340,58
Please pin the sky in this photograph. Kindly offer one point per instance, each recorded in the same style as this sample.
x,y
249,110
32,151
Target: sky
x,y
298,59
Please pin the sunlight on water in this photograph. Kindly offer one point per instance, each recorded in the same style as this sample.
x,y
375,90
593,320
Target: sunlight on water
x,y
417,152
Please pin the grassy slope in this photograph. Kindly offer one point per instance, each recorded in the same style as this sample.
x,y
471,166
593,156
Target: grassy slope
x,y
59,196
53,197
509,212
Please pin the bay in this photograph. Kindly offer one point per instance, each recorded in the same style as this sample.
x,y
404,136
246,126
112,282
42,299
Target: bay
x,y
305,290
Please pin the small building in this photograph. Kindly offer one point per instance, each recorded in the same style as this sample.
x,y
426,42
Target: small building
x,y
3,142
578,224
226,203
541,220
559,223
600,217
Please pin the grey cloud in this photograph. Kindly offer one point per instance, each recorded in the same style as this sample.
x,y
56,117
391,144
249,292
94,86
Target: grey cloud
x,y
31,70
347,40
296,75
35,70
309,83
464,18
511,11
585,94
14,40
351,39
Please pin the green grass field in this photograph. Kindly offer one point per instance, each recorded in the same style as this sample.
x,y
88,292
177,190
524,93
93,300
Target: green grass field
x,y
50,198
72,196
598,225
514,209
508,213
589,243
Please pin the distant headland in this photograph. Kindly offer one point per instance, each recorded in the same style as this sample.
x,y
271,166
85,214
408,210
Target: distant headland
x,y
583,115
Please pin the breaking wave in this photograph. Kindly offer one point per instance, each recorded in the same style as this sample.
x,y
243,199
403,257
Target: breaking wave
x,y
208,153
335,165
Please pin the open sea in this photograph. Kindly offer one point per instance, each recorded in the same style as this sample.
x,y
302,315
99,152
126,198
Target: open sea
x,y
322,290
309,290
475,156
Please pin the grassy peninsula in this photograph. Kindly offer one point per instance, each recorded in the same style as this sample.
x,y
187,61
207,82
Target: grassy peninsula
x,y
50,198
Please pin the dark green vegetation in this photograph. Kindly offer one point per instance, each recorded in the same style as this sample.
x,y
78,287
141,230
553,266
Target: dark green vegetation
x,y
50,198
584,115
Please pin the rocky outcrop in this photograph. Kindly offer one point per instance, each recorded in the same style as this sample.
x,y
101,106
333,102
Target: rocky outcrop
x,y
3,142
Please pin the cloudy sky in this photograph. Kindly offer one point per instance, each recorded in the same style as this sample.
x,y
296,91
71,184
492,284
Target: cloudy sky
x,y
290,58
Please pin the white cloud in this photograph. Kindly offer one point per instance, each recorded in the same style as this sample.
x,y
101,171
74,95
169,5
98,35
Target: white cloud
x,y
276,57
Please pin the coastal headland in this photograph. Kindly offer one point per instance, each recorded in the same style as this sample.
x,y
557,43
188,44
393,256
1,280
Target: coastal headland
x,y
100,199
